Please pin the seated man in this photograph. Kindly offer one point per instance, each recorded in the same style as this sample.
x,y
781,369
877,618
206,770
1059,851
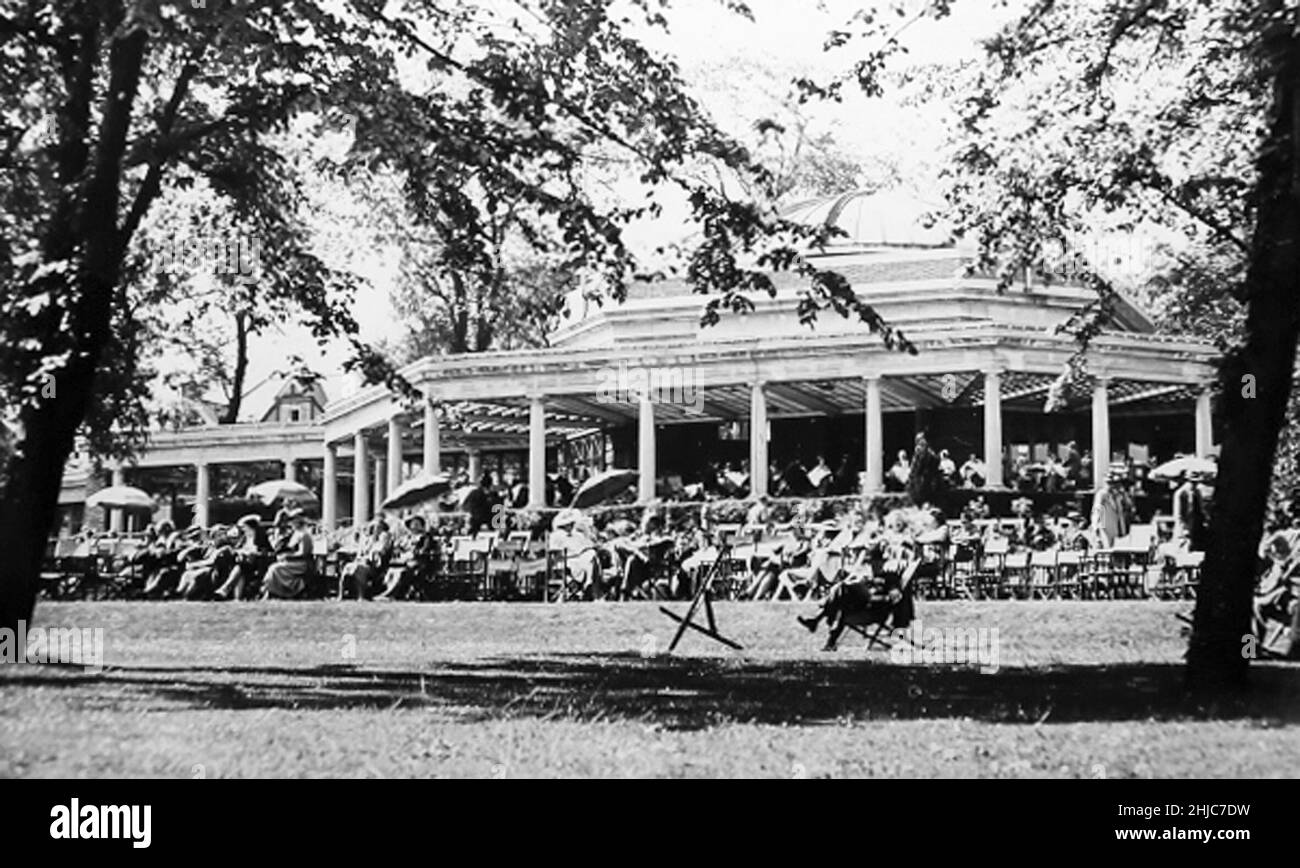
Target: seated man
x,y
416,551
200,576
869,600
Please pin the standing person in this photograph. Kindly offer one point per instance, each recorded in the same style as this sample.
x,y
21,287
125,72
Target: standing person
x,y
478,504
287,577
923,478
820,476
1188,512
1112,508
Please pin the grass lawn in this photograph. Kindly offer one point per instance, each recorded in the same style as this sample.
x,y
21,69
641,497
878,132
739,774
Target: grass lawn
x,y
510,690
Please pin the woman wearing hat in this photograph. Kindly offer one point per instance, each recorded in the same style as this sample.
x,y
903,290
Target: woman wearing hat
x,y
287,577
252,554
371,561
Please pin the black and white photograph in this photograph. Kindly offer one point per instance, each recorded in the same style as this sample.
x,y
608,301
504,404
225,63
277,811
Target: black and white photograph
x,y
609,389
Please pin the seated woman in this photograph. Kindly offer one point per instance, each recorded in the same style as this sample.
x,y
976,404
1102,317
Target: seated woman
x,y
371,561
416,551
582,555
252,555
158,560
1277,598
287,577
826,559
874,599
200,576
767,577
640,553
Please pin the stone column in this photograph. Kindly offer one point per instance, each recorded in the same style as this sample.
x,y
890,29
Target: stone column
x,y
875,438
536,452
1204,423
360,481
394,453
757,440
1100,430
645,443
432,440
329,510
993,429
381,476
202,493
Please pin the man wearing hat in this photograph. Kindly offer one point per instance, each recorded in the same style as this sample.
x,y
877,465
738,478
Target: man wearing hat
x,y
416,551
1189,512
1112,508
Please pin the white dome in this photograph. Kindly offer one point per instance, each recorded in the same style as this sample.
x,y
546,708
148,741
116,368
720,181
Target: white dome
x,y
885,218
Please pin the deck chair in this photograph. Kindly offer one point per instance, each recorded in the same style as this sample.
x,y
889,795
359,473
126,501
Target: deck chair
x,y
870,622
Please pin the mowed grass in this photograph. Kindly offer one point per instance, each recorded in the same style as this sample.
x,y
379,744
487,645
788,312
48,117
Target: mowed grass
x,y
512,690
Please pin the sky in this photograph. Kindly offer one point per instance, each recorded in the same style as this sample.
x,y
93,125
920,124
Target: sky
x,y
786,35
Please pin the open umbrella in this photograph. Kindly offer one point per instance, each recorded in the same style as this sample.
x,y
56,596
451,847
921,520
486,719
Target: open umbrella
x,y
121,497
285,490
1187,464
420,488
603,486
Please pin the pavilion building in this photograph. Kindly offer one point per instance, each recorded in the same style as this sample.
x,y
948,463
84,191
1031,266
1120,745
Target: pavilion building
x,y
641,384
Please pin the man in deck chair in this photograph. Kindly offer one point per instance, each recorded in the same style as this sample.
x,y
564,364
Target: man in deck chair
x,y
876,599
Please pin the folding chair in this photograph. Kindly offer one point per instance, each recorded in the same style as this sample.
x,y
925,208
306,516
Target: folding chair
x,y
962,567
1015,576
1042,575
992,565
1069,574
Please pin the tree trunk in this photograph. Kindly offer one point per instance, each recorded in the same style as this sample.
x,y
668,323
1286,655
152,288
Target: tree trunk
x,y
29,503
1256,387
241,369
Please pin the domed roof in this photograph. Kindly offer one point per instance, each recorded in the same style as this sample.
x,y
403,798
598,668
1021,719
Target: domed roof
x,y
882,218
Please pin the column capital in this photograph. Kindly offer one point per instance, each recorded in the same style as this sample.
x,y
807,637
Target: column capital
x,y
993,370
873,377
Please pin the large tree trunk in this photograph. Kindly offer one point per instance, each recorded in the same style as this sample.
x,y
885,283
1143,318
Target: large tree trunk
x,y
1218,656
86,234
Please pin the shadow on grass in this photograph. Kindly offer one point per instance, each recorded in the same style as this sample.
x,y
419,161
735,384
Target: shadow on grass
x,y
688,694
